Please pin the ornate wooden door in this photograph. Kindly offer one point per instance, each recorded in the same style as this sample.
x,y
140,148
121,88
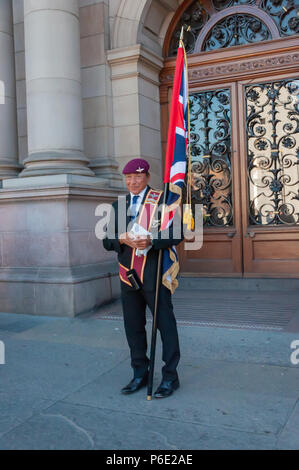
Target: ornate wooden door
x,y
244,138
216,179
269,144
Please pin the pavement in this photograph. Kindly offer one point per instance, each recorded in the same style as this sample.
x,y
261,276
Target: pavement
x,y
61,380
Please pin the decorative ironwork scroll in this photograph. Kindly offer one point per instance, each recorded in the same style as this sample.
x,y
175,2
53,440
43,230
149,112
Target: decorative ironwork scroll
x,y
236,30
273,152
196,17
222,4
285,15
210,141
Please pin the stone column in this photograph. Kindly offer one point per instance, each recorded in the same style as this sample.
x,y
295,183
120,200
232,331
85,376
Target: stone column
x,y
136,107
53,80
8,119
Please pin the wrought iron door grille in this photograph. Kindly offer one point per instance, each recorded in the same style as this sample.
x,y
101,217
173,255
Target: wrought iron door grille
x,y
237,28
222,4
272,124
210,139
285,15
196,17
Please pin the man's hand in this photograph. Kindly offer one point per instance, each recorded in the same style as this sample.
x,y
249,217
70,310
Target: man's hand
x,y
140,242
143,242
126,239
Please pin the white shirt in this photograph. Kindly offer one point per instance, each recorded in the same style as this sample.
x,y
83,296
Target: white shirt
x,y
138,203
139,200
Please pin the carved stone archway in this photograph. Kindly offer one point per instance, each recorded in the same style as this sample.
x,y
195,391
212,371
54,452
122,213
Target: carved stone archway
x,y
143,22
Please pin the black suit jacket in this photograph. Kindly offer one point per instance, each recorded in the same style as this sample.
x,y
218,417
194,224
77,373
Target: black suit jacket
x,y
125,252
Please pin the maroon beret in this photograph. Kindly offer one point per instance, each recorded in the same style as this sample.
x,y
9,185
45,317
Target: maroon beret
x,y
137,165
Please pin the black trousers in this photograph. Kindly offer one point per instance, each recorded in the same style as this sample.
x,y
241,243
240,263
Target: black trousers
x,y
134,306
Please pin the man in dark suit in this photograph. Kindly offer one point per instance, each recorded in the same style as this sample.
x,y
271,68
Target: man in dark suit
x,y
134,301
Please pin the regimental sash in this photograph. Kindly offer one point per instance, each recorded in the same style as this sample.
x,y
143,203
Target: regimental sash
x,y
145,219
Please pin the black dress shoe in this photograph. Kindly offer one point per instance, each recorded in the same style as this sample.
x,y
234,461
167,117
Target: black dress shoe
x,y
166,388
135,385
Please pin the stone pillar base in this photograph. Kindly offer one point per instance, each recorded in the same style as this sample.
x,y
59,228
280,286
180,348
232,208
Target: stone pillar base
x,y
63,292
108,168
8,169
51,262
56,163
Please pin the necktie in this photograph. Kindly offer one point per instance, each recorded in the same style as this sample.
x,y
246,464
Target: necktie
x,y
133,207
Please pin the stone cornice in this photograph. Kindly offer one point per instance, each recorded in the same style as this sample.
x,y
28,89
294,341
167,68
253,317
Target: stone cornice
x,y
64,186
125,54
60,192
125,62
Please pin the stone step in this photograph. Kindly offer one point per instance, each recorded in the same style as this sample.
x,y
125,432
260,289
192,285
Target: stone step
x,y
232,283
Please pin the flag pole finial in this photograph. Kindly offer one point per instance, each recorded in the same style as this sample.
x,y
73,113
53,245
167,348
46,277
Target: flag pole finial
x,y
182,31
182,34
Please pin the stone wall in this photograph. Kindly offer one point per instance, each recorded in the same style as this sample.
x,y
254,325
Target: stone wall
x,y
121,113
103,58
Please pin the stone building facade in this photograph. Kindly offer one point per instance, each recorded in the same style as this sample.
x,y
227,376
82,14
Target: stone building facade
x,y
80,96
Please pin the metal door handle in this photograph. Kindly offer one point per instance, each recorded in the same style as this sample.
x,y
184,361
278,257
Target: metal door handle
x,y
251,234
230,234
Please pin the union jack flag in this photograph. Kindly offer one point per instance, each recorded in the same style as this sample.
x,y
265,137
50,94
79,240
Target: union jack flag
x,y
175,166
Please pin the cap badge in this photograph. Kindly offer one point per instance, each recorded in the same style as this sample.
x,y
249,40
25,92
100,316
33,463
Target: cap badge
x,y
140,170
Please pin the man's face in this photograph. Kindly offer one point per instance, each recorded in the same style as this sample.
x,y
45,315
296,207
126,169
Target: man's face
x,y
136,182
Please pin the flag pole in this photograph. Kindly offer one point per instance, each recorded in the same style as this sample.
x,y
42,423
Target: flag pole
x,y
158,284
154,326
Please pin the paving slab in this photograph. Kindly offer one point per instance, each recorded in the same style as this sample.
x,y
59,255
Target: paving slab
x,y
67,426
60,388
253,399
288,438
81,332
38,373
243,345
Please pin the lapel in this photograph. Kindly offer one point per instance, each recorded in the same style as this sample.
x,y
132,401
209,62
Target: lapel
x,y
144,196
127,207
128,202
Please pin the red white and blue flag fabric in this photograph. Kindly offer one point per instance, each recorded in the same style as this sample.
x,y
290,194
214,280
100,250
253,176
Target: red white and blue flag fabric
x,y
175,165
